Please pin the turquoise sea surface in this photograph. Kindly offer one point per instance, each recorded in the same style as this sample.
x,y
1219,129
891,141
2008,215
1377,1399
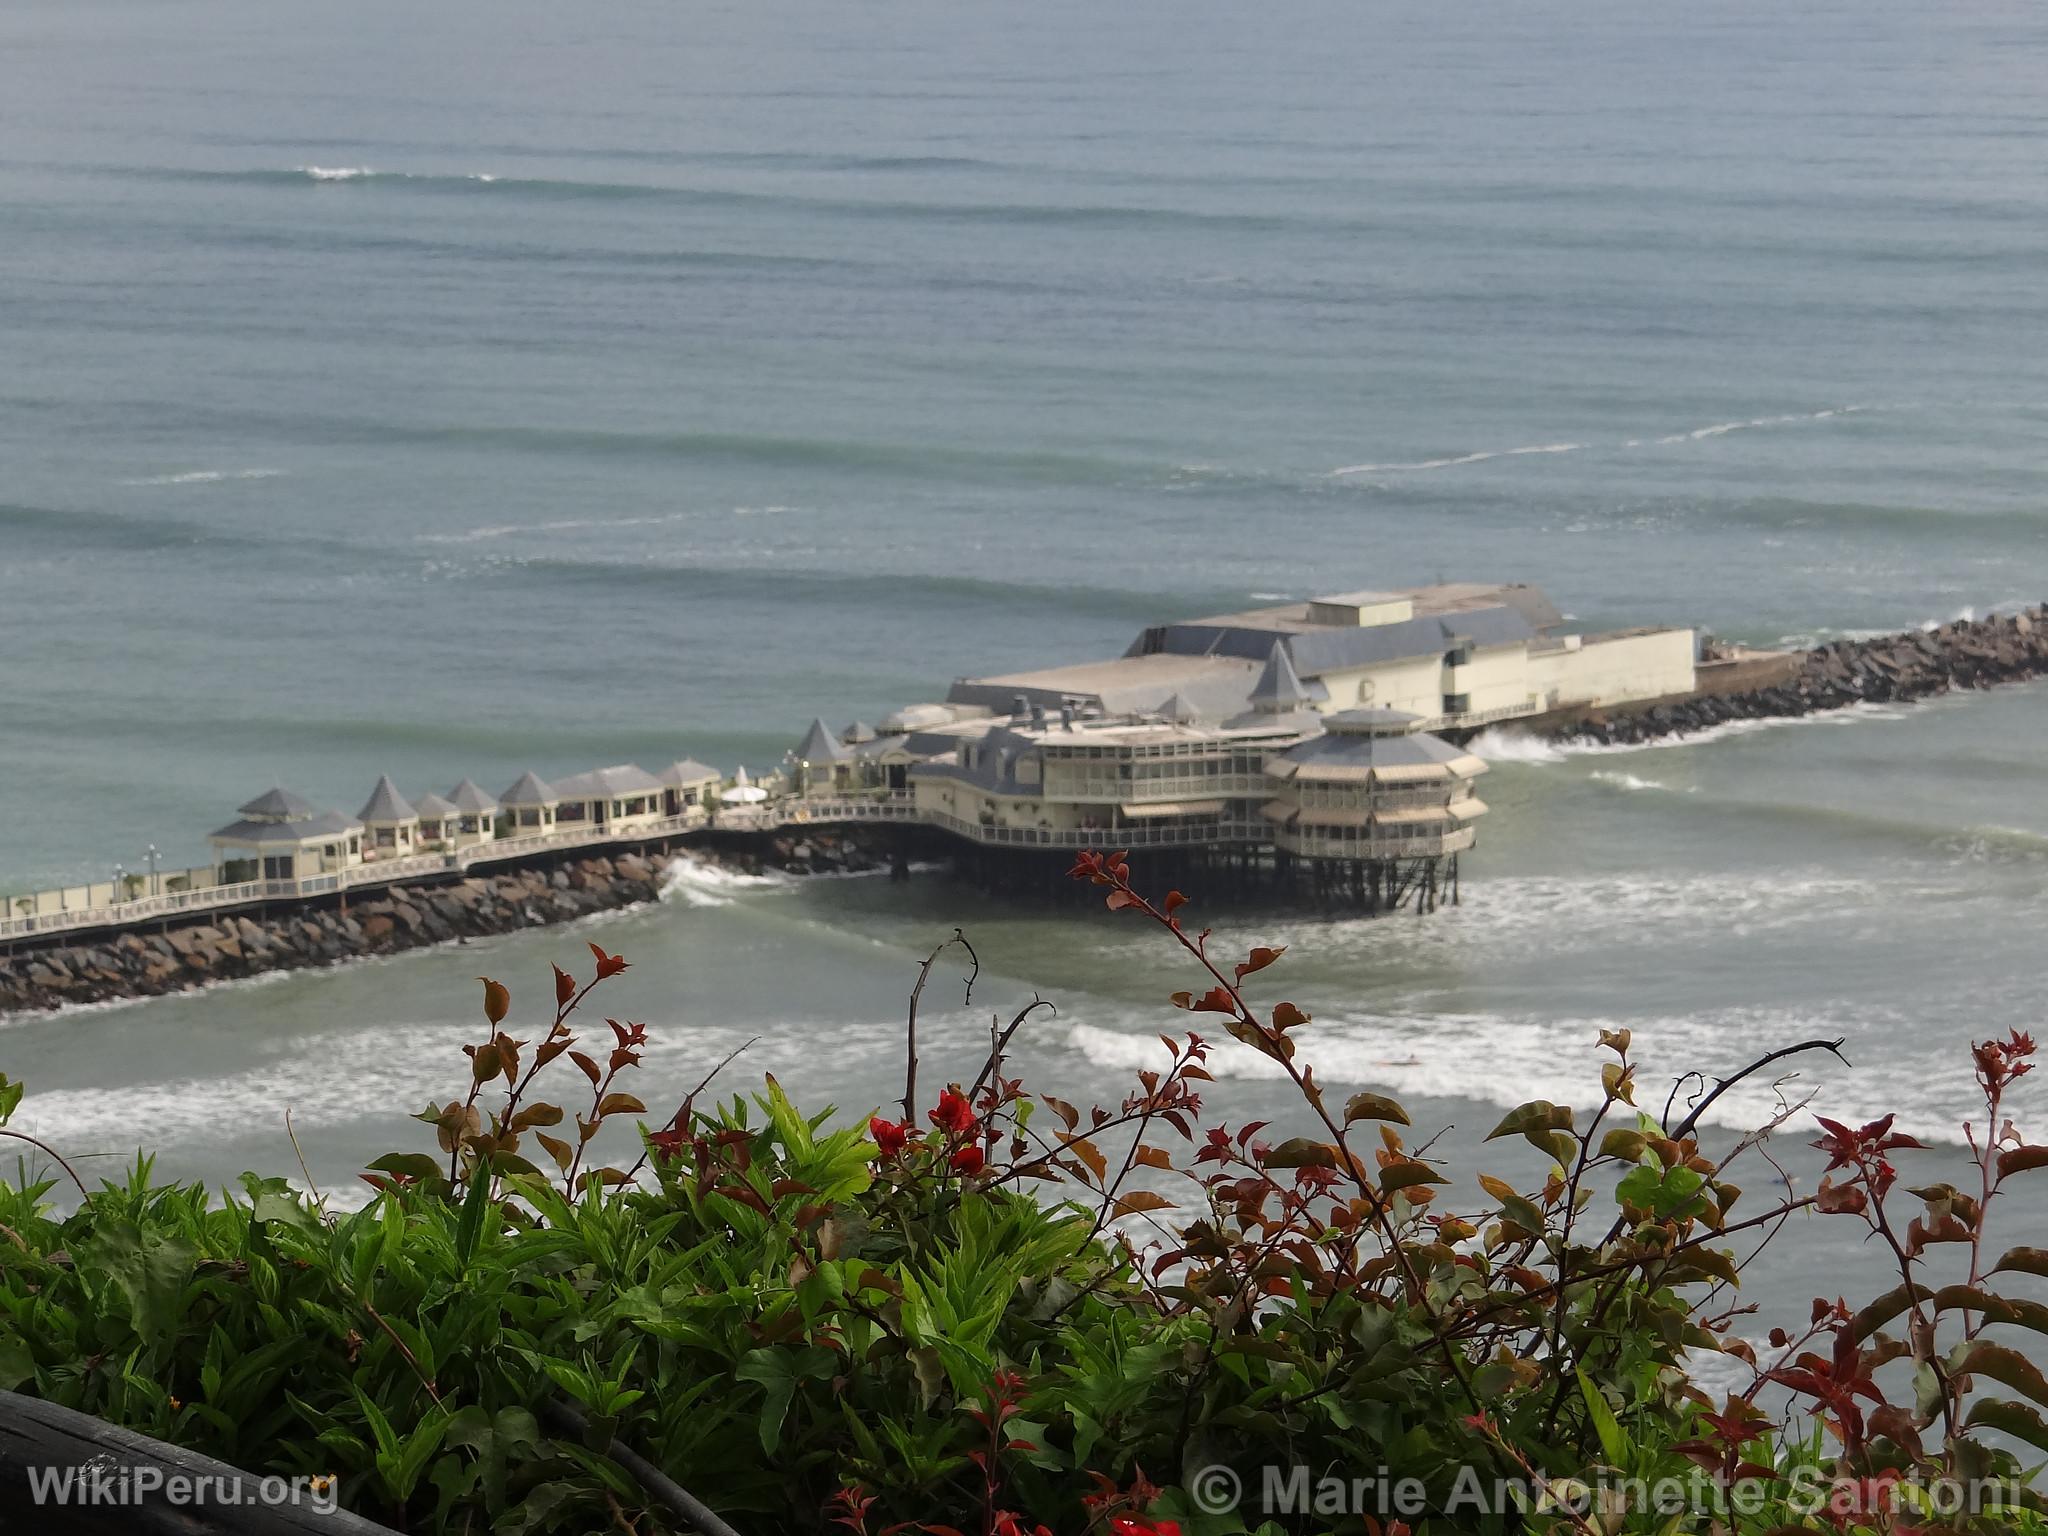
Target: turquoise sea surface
x,y
459,389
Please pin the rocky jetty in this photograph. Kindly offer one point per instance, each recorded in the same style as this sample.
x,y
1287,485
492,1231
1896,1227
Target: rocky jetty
x,y
790,853
176,958
1968,653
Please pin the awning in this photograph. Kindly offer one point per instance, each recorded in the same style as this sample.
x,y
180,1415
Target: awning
x,y
1467,808
1334,818
1409,817
1278,810
1410,773
1174,808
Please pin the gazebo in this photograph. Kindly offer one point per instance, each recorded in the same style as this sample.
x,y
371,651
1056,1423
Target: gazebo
x,y
391,825
435,814
475,819
532,803
282,836
686,783
821,762
618,798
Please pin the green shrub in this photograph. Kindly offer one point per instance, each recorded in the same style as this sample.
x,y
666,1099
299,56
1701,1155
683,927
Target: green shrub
x,y
1005,1314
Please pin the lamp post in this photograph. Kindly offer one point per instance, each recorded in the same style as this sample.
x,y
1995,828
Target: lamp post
x,y
118,873
153,856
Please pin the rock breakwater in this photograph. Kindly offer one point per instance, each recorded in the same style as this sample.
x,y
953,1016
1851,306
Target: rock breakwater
x,y
1918,664
178,957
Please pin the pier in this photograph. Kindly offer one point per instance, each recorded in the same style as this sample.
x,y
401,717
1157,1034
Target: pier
x,y
1241,754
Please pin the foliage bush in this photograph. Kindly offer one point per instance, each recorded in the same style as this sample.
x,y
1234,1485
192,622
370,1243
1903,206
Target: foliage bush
x,y
1003,1315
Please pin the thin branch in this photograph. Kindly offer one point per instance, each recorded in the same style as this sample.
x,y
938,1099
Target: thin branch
x,y
1832,1047
644,1472
924,974
43,1146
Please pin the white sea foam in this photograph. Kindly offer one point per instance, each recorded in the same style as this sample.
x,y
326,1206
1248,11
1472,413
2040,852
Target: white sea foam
x,y
1693,435
698,883
336,172
206,476
1451,463
1723,428
1505,744
1630,781
1432,1056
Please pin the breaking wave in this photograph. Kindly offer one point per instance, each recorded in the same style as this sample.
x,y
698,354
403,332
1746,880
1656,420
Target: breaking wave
x,y
699,883
1431,1056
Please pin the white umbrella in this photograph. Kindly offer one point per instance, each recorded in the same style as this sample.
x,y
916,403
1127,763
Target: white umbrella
x,y
744,791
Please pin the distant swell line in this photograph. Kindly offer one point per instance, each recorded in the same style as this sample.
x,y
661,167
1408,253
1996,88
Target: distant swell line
x,y
1463,458
1695,435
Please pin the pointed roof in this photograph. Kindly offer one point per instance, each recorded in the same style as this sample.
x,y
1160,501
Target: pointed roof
x,y
1279,689
857,733
530,789
1178,710
685,771
820,745
434,808
279,805
386,804
467,798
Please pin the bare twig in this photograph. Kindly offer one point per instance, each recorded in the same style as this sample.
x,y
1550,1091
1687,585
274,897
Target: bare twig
x,y
924,974
43,1146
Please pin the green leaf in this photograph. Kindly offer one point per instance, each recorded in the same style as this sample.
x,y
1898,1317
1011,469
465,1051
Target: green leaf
x,y
2024,1261
1981,1357
1613,1443
17,1363
1300,1152
1374,1106
2015,1419
149,1268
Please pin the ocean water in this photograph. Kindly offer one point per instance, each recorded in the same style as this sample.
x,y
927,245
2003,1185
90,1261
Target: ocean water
x,y
462,389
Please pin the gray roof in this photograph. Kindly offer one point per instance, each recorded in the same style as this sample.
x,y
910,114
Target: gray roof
x,y
1373,722
530,789
856,733
619,779
820,745
470,800
994,765
685,771
433,808
1348,751
386,804
304,829
1178,710
278,805
1335,648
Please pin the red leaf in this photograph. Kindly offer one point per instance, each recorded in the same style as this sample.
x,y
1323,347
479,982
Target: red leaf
x,y
565,986
1259,959
607,965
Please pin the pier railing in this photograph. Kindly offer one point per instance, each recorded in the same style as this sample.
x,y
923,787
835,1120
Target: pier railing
x,y
107,905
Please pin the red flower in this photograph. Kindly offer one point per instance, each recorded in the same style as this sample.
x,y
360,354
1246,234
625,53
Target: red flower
x,y
890,1135
968,1160
954,1116
1128,1525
